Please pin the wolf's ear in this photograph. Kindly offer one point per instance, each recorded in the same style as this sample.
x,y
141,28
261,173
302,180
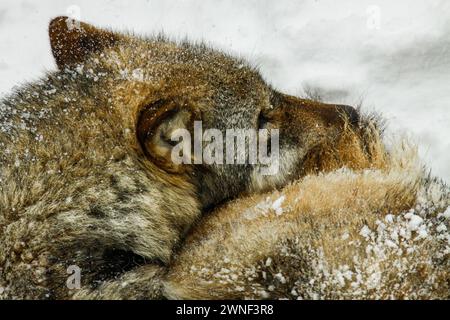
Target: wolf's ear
x,y
164,132
72,41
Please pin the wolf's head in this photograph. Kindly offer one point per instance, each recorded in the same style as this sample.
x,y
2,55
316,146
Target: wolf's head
x,y
160,87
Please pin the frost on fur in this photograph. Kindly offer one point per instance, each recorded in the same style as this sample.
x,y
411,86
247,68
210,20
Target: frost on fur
x,y
368,234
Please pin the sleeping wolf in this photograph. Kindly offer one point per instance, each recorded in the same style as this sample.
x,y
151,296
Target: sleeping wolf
x,y
87,177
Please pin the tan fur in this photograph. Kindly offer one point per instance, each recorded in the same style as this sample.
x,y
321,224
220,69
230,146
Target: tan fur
x,y
316,249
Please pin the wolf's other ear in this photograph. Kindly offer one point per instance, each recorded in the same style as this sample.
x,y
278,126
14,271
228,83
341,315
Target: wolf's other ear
x,y
72,41
164,132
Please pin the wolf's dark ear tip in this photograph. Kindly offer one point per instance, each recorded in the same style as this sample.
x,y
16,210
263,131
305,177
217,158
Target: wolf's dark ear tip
x,y
58,21
73,41
61,41
58,26
55,25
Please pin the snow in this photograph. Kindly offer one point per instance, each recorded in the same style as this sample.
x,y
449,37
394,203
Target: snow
x,y
394,56
280,278
365,232
276,206
446,214
414,221
265,207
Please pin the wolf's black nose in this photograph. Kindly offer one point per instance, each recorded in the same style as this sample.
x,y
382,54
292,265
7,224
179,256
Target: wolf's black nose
x,y
350,112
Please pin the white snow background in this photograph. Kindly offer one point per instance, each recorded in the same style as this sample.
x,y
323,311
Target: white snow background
x,y
392,55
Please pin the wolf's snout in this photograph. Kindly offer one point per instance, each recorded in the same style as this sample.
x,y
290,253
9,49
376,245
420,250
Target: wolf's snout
x,y
349,112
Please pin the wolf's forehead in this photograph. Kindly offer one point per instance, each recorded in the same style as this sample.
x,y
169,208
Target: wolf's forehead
x,y
195,53
165,56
